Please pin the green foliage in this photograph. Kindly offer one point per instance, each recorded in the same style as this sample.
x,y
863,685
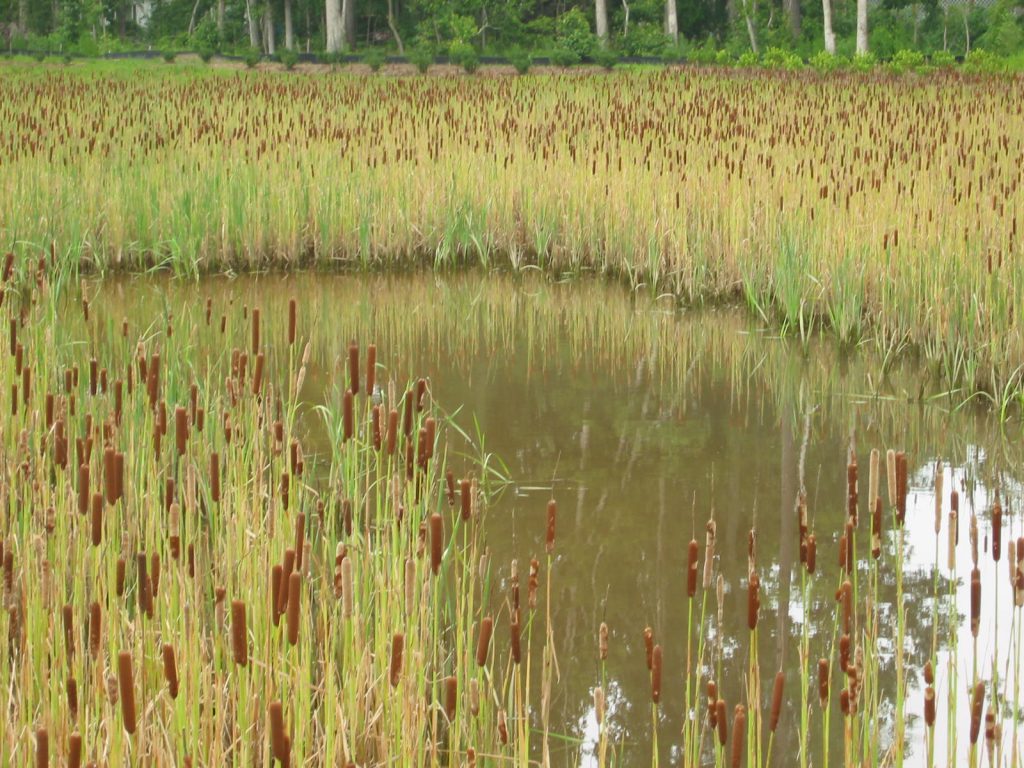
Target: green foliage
x,y
421,56
564,57
520,60
288,58
251,58
574,34
644,39
943,60
606,58
725,59
205,37
706,53
1004,35
746,59
169,56
980,61
205,54
823,61
864,62
778,58
374,58
674,53
907,61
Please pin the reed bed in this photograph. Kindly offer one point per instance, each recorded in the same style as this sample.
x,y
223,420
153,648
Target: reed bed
x,y
886,209
193,573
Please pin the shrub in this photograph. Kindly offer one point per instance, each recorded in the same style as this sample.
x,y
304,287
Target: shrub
x,y
705,53
564,57
574,34
422,56
674,53
607,59
779,58
746,59
169,56
374,58
943,60
644,39
206,54
906,61
980,61
252,58
520,60
864,62
724,58
464,55
288,58
823,61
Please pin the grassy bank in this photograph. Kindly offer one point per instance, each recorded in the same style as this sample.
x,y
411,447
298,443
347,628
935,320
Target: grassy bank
x,y
882,208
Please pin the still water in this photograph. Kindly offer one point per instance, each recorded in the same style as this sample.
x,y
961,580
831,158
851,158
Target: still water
x,y
644,420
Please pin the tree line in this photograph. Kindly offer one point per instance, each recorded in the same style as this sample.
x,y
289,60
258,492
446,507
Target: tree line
x,y
585,28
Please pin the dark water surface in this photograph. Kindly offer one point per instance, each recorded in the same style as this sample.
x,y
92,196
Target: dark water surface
x,y
643,421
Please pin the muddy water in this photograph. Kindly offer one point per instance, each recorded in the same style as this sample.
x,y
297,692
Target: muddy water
x,y
644,421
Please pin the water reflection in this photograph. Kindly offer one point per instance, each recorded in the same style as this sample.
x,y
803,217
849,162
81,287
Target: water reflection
x,y
645,421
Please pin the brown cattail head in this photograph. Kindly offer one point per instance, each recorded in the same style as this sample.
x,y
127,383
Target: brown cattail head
x,y
292,320
515,634
451,696
371,368
649,646
278,738
691,574
550,539
723,726
72,693
348,415
397,653
436,542
215,477
753,600
823,675
739,729
997,531
975,601
602,642
42,748
929,674
977,704
812,553
466,497
656,674
712,704
239,635
94,629
484,644
75,750
780,681
126,687
170,670
929,706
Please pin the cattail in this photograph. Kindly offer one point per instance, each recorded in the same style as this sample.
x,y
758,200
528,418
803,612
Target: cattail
x,y
75,750
780,680
890,469
977,703
823,675
514,637
649,647
901,487
753,600
656,674
691,576
276,580
83,489
811,553
973,535
72,693
929,673
997,531
126,686
180,429
484,644
292,321
96,520
215,477
371,368
119,576
876,529
975,601
42,748
68,620
599,704
502,728
602,642
154,574
466,498
286,572
550,539
436,542
348,416
844,702
474,697
951,541
712,704
278,739
397,652
347,596
846,597
353,367
94,629
873,477
294,588
239,641
739,728
170,670
929,706
451,696
723,726
255,330
938,497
